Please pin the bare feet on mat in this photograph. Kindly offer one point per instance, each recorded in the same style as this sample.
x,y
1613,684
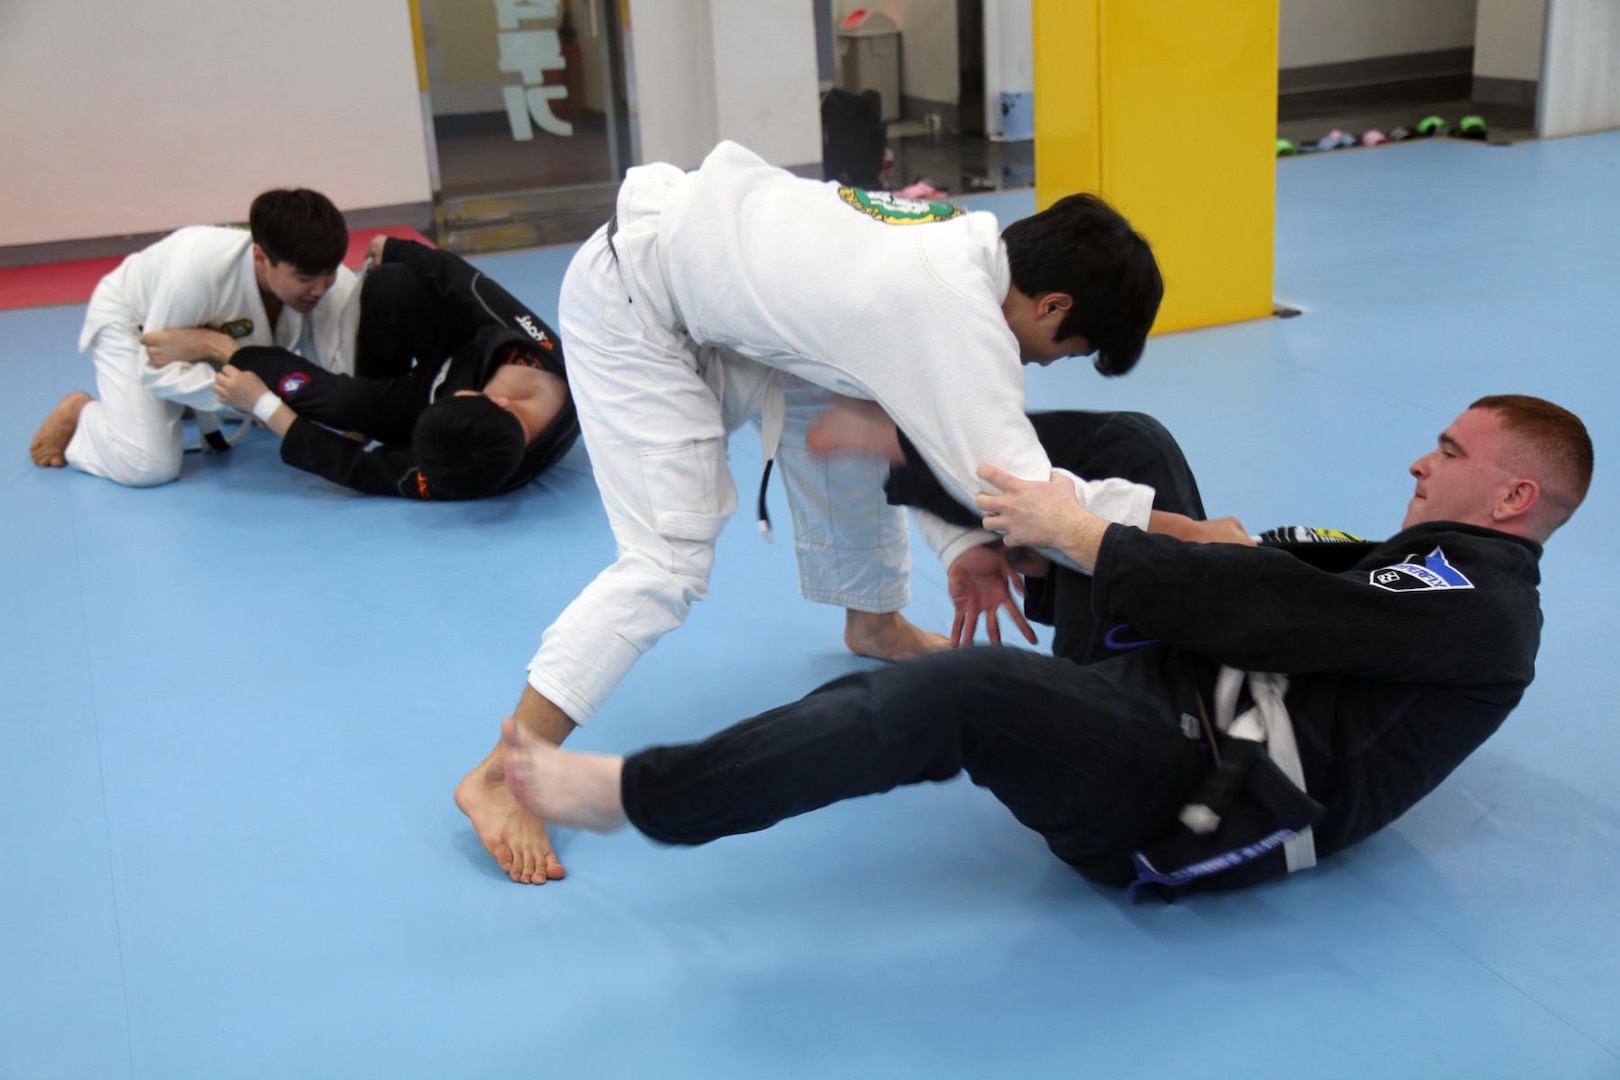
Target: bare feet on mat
x,y
889,636
581,790
851,426
516,838
49,448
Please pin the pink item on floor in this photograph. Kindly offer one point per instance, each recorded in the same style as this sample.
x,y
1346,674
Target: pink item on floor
x,y
922,189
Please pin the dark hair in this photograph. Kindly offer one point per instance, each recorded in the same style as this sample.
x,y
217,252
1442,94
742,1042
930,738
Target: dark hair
x,y
301,227
1558,440
467,447
1083,247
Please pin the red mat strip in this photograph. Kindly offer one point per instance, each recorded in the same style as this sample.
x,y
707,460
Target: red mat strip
x,y
73,282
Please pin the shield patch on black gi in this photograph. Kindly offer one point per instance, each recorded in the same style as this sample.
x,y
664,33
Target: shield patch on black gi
x,y
1434,572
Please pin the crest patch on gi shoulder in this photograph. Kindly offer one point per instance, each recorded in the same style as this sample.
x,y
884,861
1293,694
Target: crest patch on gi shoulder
x,y
237,328
894,210
1434,572
291,383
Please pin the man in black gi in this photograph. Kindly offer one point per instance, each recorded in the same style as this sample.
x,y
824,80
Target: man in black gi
x,y
460,390
1285,701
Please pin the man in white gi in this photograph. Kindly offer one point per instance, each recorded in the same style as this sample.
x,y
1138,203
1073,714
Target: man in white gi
x,y
280,282
741,292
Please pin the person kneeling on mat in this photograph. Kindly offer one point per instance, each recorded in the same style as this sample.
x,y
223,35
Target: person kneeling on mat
x,y
1285,701
279,282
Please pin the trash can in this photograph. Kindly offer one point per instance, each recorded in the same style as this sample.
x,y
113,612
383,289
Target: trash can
x,y
869,57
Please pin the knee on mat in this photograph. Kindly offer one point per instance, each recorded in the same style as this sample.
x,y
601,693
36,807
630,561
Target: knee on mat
x,y
144,468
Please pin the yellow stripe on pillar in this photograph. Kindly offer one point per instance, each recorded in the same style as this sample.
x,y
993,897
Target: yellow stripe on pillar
x,y
420,47
1068,135
1168,109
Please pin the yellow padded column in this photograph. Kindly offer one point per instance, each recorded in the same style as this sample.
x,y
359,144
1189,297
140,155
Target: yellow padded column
x,y
1168,109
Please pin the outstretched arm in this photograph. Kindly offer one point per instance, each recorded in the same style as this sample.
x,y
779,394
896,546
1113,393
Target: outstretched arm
x,y
383,409
245,392
1043,514
1225,530
306,445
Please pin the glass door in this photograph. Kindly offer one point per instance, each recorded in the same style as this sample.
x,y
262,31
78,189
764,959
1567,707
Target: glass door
x,y
528,117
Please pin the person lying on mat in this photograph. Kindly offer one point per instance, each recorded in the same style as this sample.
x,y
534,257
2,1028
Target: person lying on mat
x,y
1282,703
462,391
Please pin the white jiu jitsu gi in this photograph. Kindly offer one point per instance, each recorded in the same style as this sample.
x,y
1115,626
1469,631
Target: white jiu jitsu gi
x,y
739,291
199,276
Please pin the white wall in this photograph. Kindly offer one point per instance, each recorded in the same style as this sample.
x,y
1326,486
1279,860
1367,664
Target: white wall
x,y
1009,56
136,117
929,66
707,70
1508,39
1336,31
767,94
1580,82
673,80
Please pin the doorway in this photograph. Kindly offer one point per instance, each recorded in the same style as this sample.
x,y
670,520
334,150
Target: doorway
x,y
528,117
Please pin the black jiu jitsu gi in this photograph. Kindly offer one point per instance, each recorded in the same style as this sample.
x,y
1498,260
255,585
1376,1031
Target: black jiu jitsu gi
x,y
1399,665
1394,660
457,325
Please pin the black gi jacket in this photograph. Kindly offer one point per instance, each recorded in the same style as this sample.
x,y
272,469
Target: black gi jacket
x,y
478,323
1403,657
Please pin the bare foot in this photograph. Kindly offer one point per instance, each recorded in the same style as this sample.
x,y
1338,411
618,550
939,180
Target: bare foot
x,y
49,448
558,785
516,839
851,426
889,636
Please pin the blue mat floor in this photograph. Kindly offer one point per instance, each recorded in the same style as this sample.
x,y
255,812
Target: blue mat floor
x,y
233,709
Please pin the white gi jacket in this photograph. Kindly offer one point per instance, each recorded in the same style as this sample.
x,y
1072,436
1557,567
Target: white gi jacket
x,y
738,291
871,296
202,275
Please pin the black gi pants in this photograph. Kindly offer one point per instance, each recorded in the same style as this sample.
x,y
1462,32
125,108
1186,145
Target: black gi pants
x,y
402,320
1093,758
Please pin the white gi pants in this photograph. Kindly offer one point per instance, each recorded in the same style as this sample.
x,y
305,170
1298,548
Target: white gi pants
x,y
128,434
655,411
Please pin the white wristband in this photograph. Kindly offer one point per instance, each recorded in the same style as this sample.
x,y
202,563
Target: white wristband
x,y
266,406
